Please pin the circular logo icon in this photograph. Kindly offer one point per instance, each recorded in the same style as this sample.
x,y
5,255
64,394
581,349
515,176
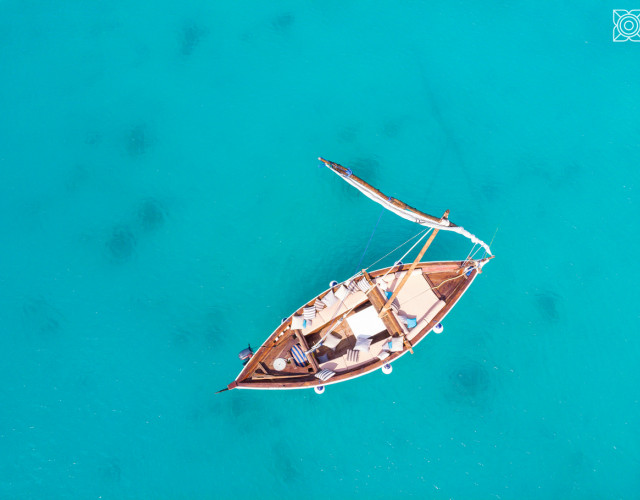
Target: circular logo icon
x,y
629,25
626,25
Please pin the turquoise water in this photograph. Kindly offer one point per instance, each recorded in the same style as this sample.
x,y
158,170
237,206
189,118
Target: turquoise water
x,y
162,207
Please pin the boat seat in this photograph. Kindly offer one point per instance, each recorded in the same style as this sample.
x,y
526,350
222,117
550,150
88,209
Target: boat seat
x,y
424,321
336,310
341,363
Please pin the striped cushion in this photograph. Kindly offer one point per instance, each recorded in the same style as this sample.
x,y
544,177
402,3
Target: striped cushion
x,y
309,312
395,306
364,285
352,286
325,374
352,356
299,357
319,305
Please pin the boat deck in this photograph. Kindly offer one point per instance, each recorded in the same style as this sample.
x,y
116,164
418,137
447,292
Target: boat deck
x,y
429,293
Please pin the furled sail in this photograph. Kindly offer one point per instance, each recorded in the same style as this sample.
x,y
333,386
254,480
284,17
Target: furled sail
x,y
400,208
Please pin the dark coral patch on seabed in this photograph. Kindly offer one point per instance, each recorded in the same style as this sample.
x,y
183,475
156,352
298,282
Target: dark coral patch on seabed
x,y
547,304
121,244
137,141
151,215
40,316
190,37
283,22
469,384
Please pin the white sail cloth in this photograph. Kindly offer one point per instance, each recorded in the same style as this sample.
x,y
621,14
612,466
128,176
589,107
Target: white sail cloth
x,y
405,213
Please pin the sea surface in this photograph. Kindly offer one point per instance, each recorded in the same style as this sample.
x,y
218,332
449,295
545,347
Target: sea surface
x,y
162,206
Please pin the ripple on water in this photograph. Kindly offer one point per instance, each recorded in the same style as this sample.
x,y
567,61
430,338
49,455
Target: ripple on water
x,y
121,244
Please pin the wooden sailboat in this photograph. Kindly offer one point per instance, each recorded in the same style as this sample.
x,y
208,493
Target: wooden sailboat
x,y
368,321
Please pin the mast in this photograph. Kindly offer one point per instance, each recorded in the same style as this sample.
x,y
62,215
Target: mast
x,y
387,306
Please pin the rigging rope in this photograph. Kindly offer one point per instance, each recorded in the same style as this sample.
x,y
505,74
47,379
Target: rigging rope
x,y
396,248
370,238
409,251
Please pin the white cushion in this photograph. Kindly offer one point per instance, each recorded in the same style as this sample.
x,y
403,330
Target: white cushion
x,y
329,299
342,292
383,355
331,341
362,344
325,374
297,322
396,344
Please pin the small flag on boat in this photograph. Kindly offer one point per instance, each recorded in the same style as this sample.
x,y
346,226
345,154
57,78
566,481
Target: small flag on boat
x,y
299,357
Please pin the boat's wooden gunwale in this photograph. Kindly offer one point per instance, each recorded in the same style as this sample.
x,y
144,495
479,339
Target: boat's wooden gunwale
x,y
244,380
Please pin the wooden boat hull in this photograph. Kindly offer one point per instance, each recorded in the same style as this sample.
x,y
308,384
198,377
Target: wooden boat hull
x,y
444,282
